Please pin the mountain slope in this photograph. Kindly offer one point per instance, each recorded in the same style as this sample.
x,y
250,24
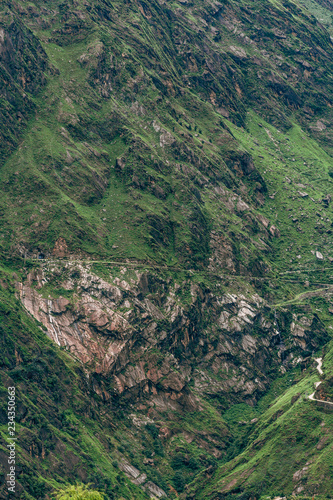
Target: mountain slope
x,y
166,225
117,157
289,451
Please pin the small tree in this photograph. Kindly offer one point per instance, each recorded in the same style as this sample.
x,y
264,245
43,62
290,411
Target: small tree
x,y
79,492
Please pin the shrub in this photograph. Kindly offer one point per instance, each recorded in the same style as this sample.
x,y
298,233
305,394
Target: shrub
x,y
179,482
79,492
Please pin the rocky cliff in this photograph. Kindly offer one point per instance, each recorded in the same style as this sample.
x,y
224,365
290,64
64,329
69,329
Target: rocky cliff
x,y
163,344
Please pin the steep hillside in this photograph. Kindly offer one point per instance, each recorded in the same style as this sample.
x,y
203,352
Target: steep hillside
x,y
289,451
166,239
23,67
64,433
132,128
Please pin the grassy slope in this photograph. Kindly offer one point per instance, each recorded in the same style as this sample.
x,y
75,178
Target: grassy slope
x,y
284,440
293,164
322,11
72,170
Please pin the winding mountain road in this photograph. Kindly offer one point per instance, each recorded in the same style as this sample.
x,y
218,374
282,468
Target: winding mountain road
x,y
317,384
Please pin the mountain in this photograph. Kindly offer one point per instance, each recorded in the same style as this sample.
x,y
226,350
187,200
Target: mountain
x,y
166,246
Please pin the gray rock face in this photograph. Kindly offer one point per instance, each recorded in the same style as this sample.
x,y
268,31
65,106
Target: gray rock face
x,y
136,477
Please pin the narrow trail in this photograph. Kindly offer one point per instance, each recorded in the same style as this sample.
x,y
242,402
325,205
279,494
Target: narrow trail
x,y
165,267
317,384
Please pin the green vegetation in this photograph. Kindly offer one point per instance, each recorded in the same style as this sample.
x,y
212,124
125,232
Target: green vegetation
x,y
79,492
189,144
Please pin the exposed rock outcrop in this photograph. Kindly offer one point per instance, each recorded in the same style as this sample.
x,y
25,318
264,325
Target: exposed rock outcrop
x,y
151,343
